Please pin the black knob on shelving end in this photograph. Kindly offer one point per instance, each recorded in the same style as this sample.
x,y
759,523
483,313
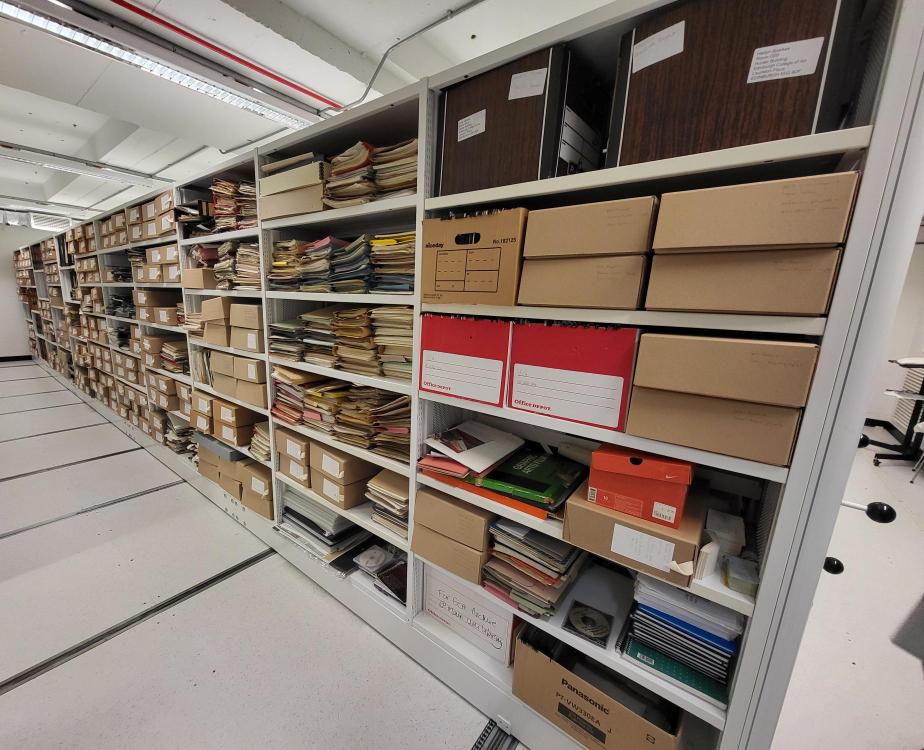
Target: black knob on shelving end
x,y
864,441
880,512
833,566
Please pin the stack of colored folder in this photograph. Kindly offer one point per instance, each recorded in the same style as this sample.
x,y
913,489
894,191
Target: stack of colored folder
x,y
687,640
529,570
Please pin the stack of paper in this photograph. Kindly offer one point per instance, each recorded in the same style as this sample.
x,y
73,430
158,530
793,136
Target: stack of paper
x,y
192,322
351,268
388,492
355,348
394,336
225,209
727,530
179,435
314,263
396,169
283,273
321,403
376,420
529,570
319,526
352,182
470,448
688,640
260,442
393,262
225,267
247,268
285,339
175,356
245,205
319,337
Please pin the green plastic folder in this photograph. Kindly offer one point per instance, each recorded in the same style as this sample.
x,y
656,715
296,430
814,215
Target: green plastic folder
x,y
675,672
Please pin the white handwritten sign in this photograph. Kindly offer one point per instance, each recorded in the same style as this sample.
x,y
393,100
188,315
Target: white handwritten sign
x,y
478,621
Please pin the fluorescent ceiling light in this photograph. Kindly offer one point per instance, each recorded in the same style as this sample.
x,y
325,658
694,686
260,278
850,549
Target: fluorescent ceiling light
x,y
100,174
173,75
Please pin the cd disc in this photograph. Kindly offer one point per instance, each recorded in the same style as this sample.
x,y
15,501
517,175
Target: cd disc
x,y
588,621
372,558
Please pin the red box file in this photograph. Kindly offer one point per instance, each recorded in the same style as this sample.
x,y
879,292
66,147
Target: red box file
x,y
574,373
464,357
644,485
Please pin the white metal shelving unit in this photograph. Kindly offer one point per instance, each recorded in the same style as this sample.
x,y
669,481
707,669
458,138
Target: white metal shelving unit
x,y
806,494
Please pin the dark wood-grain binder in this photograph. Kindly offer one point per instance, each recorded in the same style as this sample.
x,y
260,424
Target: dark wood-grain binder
x,y
517,124
700,88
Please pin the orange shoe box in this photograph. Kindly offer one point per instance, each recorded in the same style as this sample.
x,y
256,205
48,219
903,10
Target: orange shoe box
x,y
643,485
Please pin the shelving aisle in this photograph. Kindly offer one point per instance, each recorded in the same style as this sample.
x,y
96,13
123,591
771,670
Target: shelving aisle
x,y
96,533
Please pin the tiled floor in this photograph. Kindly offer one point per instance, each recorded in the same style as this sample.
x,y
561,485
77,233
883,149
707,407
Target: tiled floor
x,y
263,659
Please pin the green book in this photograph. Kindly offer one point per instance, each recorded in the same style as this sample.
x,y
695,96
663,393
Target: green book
x,y
534,476
673,671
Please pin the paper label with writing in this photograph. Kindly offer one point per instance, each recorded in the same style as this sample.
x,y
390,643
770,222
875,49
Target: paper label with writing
x,y
226,415
477,621
257,485
330,465
664,512
330,489
472,125
567,394
295,469
644,548
476,378
251,341
785,60
227,432
163,316
658,47
202,423
174,272
142,298
203,405
530,83
252,370
293,448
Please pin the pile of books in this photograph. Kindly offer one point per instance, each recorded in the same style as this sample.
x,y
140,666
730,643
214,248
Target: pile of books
x,y
682,638
395,169
394,336
503,467
529,570
388,492
392,259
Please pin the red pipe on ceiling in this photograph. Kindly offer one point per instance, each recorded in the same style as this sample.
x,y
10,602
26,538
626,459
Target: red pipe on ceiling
x,y
224,53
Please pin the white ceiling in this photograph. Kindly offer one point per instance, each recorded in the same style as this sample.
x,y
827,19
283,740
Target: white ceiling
x,y
66,99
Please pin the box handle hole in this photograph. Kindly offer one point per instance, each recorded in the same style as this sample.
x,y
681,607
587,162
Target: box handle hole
x,y
635,461
468,238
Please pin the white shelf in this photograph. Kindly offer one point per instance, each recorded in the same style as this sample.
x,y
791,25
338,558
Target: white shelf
x,y
162,240
107,251
370,298
135,386
231,399
361,515
379,208
386,463
175,375
788,149
253,293
227,349
600,434
116,285
394,385
550,526
158,285
172,329
217,239
715,321
365,583
713,589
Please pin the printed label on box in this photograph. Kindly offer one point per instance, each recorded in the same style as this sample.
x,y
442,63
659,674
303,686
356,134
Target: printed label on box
x,y
472,125
658,47
163,316
330,489
665,512
257,485
293,448
460,375
644,548
530,83
251,341
785,60
295,468
202,423
251,371
579,396
330,465
227,432
225,414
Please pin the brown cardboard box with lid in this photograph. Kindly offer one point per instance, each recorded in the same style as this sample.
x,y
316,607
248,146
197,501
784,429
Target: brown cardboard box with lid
x,y
236,436
772,282
257,503
252,370
342,467
292,444
466,523
246,316
594,528
581,709
796,213
222,363
344,496
148,298
230,485
448,554
216,333
247,339
216,308
210,472
232,414
251,393
306,200
200,422
473,260
765,372
621,227
202,402
612,282
313,173
167,316
256,478
756,432
199,278
296,470
224,385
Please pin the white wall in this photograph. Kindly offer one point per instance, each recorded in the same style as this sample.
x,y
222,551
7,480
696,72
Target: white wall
x,y
906,337
14,339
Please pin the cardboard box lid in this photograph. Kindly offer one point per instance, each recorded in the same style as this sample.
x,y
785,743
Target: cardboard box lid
x,y
315,173
618,460
775,282
251,393
794,212
216,308
304,200
456,519
756,432
221,363
292,444
256,478
643,545
766,372
232,414
621,227
246,316
340,466
605,282
448,554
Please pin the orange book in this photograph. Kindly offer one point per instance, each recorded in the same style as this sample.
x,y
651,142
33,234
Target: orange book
x,y
488,494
